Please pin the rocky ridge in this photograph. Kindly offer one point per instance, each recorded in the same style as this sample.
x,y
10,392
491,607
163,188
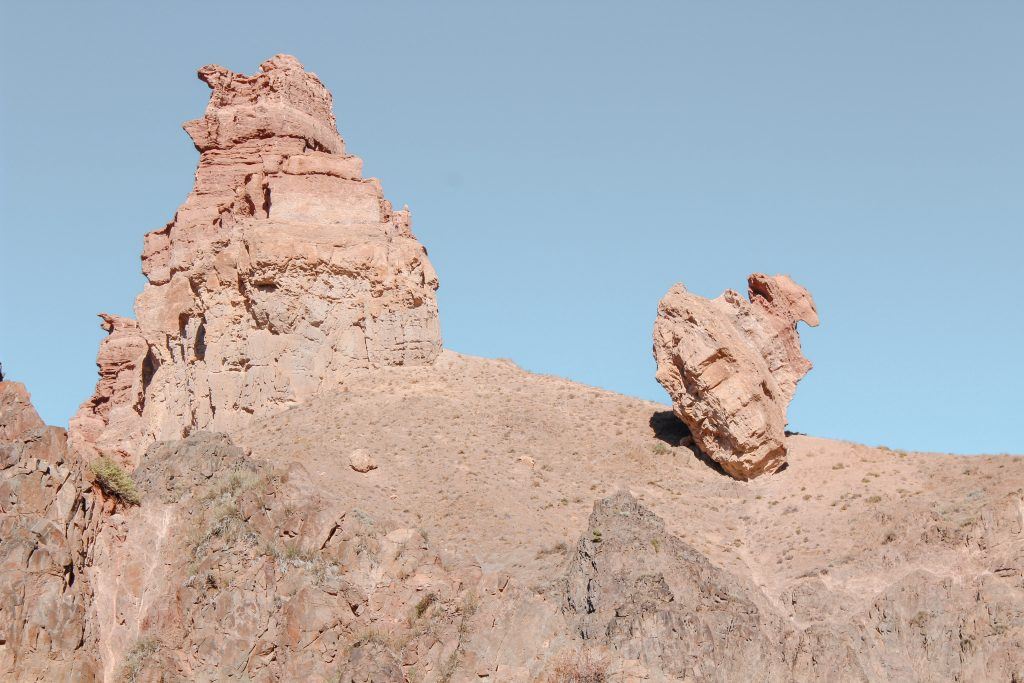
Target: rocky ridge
x,y
275,560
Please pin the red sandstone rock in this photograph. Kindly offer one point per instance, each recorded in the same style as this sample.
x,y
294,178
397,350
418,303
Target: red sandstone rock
x,y
110,421
17,416
283,270
731,367
46,527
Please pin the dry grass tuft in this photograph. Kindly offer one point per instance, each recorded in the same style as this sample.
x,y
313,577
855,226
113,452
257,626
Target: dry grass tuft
x,y
115,481
580,667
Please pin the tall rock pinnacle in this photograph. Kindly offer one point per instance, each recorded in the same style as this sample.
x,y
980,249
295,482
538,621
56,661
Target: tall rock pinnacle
x,y
282,271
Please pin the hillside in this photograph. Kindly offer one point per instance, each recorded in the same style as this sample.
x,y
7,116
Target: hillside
x,y
492,489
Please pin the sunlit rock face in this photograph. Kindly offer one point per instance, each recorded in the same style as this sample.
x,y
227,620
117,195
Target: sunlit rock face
x,y
283,270
731,366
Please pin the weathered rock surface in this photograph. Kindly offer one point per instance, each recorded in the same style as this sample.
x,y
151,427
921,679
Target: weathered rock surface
x,y
46,523
17,416
282,271
651,598
234,568
110,422
731,367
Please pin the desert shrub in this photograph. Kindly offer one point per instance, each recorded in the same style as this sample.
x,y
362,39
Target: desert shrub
x,y
136,659
580,667
424,604
115,481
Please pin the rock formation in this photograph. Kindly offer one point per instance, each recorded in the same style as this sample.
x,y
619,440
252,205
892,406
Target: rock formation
x,y
283,270
731,367
649,597
272,580
46,526
111,420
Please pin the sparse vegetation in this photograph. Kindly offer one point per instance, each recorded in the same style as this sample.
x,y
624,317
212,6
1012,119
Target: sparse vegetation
x,y
137,657
424,604
580,667
467,609
115,481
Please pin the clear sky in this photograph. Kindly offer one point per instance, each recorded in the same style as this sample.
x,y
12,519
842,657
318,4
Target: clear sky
x,y
565,163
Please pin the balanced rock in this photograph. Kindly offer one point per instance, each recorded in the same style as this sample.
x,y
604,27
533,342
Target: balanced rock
x,y
731,367
283,270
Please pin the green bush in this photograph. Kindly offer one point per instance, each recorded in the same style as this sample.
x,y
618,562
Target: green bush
x,y
115,481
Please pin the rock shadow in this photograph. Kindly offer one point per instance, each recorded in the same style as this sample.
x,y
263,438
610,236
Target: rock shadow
x,y
670,429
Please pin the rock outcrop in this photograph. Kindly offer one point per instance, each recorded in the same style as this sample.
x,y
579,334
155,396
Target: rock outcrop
x,y
46,525
648,597
235,568
731,367
110,422
282,271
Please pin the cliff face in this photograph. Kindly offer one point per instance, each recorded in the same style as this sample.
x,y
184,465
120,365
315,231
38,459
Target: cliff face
x,y
47,525
283,270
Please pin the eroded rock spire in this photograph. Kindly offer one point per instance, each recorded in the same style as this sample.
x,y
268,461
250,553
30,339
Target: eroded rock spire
x,y
283,270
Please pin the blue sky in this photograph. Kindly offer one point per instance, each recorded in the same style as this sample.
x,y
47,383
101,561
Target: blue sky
x,y
567,162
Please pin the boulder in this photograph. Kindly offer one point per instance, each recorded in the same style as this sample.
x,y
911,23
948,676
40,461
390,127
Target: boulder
x,y
731,367
361,461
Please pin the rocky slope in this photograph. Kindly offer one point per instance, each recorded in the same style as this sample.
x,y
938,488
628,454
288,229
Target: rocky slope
x,y
502,537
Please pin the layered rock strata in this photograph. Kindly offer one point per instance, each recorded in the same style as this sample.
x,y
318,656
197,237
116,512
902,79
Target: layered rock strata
x,y
731,367
283,270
